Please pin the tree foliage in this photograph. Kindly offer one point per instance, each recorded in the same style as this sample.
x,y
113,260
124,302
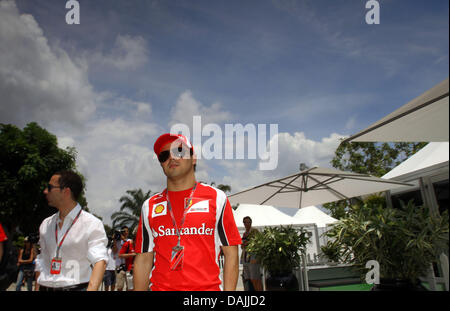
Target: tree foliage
x,y
28,158
130,210
375,159
224,188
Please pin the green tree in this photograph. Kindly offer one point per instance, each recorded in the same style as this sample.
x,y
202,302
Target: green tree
x,y
224,188
28,158
130,210
375,159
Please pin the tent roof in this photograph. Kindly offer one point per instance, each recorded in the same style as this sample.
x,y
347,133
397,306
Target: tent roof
x,y
261,215
432,157
425,118
312,214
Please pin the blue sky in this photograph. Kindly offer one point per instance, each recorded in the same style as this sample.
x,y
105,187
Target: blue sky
x,y
110,85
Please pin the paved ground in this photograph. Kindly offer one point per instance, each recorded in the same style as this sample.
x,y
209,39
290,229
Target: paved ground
x,y
239,286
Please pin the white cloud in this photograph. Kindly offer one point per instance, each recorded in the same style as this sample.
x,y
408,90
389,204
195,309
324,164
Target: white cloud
x,y
116,155
143,108
37,82
241,175
127,53
293,149
297,148
187,107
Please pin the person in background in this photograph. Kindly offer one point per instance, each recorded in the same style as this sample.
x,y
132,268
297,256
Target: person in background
x,y
127,252
121,263
251,268
109,279
26,267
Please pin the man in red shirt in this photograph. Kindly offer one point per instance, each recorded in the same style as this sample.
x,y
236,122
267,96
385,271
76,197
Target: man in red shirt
x,y
126,252
182,229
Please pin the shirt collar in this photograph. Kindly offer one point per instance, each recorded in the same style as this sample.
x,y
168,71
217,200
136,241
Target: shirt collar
x,y
72,214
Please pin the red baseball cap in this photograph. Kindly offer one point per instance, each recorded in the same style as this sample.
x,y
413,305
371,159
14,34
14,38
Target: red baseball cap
x,y
167,138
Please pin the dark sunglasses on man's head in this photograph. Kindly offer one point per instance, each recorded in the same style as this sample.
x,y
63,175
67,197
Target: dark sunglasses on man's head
x,y
178,152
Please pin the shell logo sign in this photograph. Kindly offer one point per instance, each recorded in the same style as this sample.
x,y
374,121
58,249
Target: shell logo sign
x,y
159,209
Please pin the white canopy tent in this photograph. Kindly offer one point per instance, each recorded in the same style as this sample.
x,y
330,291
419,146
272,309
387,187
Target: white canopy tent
x,y
425,118
312,214
261,215
309,218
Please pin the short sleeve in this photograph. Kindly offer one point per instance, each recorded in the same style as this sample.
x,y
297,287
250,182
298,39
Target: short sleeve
x,y
226,225
144,236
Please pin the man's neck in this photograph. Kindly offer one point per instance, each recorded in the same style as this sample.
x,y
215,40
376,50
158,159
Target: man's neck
x,y
65,209
181,184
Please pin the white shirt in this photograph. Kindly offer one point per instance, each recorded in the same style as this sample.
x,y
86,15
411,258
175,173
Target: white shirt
x,y
84,245
111,260
119,261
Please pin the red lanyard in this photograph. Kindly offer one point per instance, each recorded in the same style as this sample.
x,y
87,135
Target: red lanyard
x,y
186,208
65,234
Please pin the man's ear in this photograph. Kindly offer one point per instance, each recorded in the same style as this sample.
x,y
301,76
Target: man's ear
x,y
67,192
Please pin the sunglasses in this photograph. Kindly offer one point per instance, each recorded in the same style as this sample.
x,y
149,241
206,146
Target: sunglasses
x,y
50,187
176,153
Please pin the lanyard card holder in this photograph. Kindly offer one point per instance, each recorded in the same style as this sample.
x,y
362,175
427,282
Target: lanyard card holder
x,y
177,259
56,264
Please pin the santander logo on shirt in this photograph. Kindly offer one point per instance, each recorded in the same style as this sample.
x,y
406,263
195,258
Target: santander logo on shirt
x,y
202,230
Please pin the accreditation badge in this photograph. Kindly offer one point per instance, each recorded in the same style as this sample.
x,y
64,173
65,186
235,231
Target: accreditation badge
x,y
177,258
55,267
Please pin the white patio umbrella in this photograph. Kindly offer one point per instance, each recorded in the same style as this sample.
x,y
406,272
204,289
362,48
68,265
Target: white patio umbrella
x,y
425,118
314,186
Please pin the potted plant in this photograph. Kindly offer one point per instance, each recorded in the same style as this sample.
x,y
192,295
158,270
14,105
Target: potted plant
x,y
331,253
278,250
404,241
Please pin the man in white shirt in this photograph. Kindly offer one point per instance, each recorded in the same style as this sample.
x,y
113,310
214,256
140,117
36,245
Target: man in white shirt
x,y
72,240
109,280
